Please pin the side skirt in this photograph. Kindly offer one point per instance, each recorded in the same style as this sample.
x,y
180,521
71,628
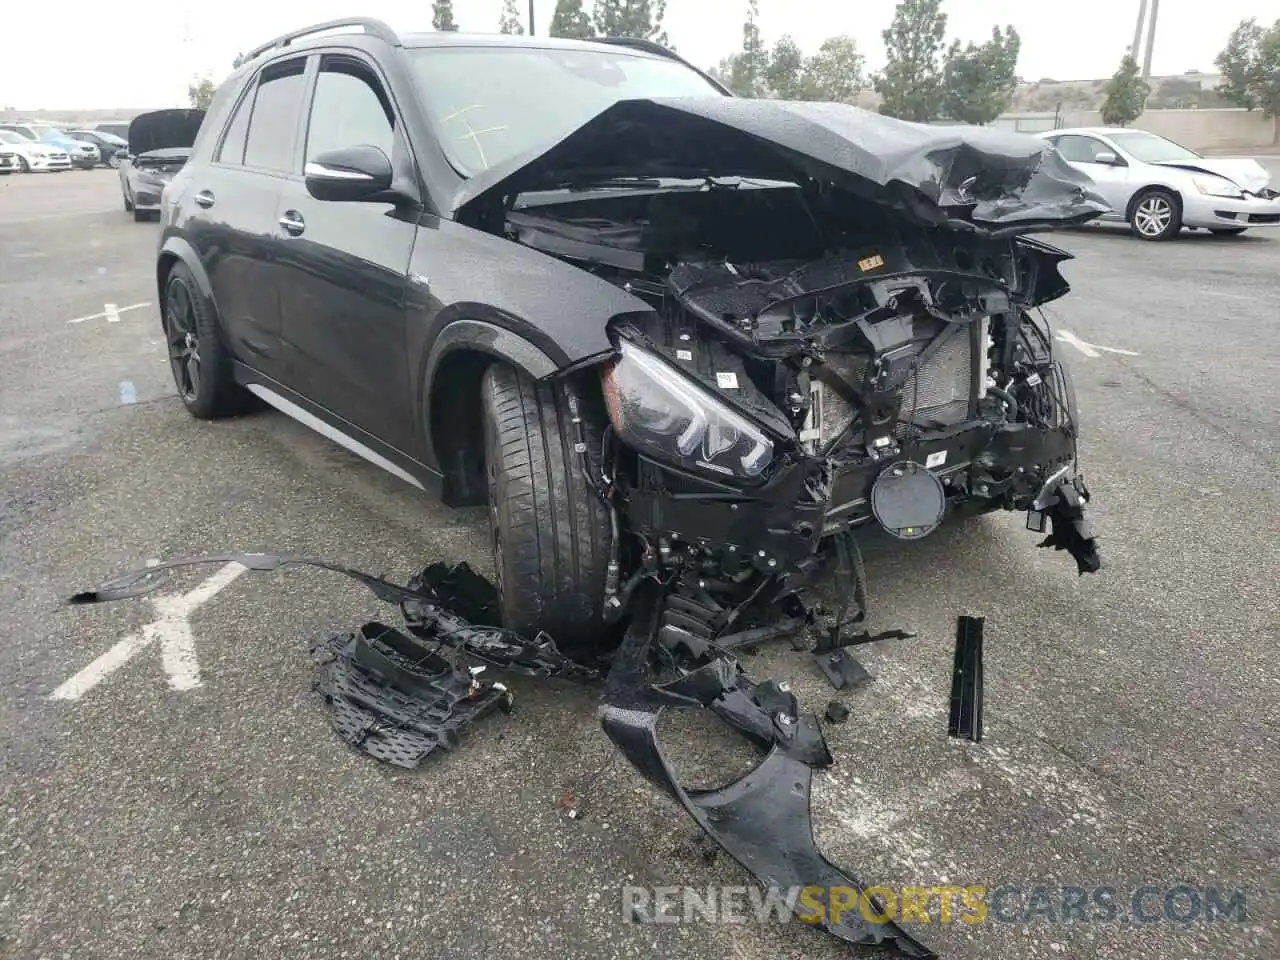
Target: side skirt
x,y
340,431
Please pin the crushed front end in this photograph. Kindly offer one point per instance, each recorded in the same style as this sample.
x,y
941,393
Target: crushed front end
x,y
764,409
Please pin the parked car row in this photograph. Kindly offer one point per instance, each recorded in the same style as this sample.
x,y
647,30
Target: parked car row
x,y
36,147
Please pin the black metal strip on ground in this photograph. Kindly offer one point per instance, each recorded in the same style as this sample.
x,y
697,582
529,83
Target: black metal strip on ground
x,y
966,681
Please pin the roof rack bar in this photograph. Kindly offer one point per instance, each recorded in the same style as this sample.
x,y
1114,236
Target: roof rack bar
x,y
377,28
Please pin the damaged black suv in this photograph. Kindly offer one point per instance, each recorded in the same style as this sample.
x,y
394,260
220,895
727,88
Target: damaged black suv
x,y
663,332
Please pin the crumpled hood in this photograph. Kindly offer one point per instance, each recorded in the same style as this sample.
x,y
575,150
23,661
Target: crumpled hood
x,y
164,128
975,178
1243,172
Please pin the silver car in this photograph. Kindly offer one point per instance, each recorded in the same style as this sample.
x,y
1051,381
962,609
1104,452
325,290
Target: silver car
x,y
1158,186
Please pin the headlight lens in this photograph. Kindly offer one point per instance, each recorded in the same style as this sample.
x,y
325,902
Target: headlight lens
x,y
1217,187
657,409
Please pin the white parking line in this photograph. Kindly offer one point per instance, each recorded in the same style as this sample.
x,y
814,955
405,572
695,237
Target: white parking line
x,y
1089,349
111,313
171,629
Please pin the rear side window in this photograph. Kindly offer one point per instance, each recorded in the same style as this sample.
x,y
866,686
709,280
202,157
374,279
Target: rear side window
x,y
349,109
232,149
273,124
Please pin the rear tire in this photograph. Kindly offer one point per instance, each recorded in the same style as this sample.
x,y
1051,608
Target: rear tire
x,y
189,323
550,530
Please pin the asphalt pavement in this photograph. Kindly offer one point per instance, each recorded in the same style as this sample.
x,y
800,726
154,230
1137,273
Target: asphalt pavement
x,y
194,801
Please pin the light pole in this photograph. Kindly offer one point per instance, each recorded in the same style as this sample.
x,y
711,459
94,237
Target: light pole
x,y
1151,38
531,17
1137,31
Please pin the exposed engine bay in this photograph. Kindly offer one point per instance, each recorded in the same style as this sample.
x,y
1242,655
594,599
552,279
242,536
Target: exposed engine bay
x,y
814,363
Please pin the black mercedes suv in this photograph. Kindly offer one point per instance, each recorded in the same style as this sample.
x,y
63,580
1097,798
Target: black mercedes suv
x,y
662,331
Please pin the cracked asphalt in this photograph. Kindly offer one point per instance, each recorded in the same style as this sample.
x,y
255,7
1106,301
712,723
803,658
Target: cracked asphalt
x,y
1131,736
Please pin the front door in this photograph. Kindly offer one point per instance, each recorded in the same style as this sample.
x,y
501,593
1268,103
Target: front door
x,y
342,267
1112,177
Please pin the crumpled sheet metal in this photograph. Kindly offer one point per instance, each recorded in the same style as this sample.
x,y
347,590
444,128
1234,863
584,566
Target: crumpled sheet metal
x,y
991,181
763,819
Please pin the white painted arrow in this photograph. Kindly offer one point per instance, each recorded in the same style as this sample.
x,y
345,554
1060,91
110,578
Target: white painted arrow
x,y
171,630
1089,349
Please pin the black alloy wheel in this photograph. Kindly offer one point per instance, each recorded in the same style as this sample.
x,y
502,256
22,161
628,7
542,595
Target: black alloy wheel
x,y
184,342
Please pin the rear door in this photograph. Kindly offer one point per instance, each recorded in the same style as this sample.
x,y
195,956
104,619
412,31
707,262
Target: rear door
x,y
343,265
231,205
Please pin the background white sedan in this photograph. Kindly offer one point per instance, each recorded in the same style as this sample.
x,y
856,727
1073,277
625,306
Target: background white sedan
x,y
1158,186
33,156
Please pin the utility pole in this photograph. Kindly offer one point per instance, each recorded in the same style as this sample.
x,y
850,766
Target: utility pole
x,y
531,17
1137,32
1151,38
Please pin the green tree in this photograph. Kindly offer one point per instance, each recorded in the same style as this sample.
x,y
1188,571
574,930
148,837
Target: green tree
x,y
747,68
911,82
200,93
1126,95
784,74
442,15
978,81
570,20
1250,66
510,21
834,72
631,18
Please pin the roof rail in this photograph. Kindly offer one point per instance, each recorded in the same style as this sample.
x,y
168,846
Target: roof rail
x,y
652,46
377,28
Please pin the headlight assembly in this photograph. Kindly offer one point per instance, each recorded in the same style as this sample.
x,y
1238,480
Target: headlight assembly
x,y
1217,187
660,411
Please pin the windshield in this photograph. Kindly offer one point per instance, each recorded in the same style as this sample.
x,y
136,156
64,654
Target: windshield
x,y
1149,148
493,103
48,134
7,137
25,134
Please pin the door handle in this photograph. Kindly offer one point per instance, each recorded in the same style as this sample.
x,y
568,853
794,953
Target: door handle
x,y
204,199
292,222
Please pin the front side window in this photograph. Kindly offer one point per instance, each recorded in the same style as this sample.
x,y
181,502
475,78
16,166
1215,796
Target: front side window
x,y
349,109
493,103
274,122
1081,149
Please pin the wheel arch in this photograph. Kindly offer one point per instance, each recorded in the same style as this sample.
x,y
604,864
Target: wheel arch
x,y
176,250
1148,188
450,413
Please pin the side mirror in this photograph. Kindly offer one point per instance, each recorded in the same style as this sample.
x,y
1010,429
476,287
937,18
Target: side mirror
x,y
1107,157
350,174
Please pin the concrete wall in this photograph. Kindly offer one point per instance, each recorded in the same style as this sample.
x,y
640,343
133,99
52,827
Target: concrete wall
x,y
1209,131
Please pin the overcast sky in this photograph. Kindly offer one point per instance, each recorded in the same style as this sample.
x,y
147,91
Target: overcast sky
x,y
143,54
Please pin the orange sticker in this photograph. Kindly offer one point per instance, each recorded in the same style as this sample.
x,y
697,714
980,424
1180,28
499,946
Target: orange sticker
x,y
870,263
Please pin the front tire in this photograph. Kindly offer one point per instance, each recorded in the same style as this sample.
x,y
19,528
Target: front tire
x,y
1157,215
550,530
199,362
23,165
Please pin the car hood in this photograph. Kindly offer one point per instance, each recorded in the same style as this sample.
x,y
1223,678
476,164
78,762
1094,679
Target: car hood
x,y
164,128
974,178
1243,172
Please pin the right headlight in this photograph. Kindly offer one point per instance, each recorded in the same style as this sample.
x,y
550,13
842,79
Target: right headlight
x,y
659,410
